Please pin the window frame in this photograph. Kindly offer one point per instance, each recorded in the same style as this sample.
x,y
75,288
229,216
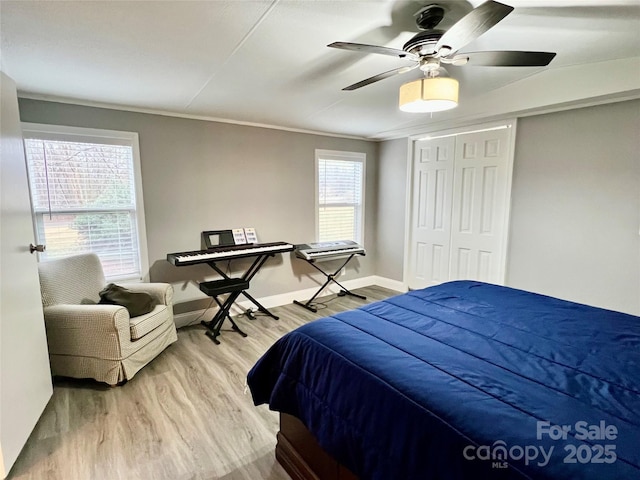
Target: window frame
x,y
66,133
346,156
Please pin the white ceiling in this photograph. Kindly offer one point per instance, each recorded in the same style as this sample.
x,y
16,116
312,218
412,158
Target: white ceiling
x,y
266,61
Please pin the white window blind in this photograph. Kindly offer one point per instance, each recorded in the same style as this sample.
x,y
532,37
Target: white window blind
x,y
340,195
84,197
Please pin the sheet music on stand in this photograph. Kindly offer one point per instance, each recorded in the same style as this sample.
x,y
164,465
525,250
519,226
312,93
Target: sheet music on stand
x,y
239,237
250,235
243,236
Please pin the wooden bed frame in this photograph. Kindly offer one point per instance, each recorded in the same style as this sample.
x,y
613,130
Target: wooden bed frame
x,y
302,458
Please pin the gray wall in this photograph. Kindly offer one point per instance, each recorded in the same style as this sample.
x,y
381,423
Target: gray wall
x,y
575,214
575,199
392,182
201,175
576,206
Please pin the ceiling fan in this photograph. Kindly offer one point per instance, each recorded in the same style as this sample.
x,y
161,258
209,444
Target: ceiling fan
x,y
430,48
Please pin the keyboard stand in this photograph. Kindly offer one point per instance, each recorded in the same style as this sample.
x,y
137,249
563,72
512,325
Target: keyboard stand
x,y
331,277
234,287
248,275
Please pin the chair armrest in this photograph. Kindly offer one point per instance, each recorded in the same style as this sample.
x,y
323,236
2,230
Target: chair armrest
x,y
96,317
162,293
97,331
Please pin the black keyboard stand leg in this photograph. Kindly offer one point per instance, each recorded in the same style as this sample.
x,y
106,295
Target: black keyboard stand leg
x,y
213,334
331,277
214,326
248,275
344,291
308,303
235,326
260,307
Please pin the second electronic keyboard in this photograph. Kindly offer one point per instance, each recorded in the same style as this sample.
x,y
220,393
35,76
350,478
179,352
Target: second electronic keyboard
x,y
228,252
329,250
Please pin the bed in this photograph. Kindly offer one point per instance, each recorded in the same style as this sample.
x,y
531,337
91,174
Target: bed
x,y
462,380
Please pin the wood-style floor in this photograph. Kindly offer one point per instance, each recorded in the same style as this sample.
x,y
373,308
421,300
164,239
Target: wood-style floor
x,y
185,416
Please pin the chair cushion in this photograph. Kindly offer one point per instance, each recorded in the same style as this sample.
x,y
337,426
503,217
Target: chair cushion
x,y
137,303
144,324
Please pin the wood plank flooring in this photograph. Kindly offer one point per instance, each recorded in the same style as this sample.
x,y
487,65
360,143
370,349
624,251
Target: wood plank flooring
x,y
185,416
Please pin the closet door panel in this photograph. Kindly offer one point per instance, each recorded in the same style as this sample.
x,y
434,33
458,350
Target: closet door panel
x,y
430,228
480,201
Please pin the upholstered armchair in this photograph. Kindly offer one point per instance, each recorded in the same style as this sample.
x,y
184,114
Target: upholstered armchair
x,y
91,340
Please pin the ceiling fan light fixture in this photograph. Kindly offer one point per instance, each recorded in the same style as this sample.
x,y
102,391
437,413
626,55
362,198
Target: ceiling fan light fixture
x,y
429,95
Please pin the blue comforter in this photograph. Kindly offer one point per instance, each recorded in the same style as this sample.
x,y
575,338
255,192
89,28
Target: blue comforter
x,y
465,380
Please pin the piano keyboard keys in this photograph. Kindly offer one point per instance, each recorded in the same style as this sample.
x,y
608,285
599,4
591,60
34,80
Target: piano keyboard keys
x,y
227,252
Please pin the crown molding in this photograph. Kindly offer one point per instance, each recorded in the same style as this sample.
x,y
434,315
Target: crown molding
x,y
167,113
470,120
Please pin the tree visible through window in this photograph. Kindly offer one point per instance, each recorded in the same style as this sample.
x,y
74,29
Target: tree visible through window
x,y
84,197
340,195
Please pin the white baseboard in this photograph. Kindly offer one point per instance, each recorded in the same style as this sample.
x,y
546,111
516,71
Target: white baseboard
x,y
194,317
385,282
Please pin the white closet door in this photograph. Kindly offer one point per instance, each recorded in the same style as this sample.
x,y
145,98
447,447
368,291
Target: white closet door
x,y
430,228
480,206
459,207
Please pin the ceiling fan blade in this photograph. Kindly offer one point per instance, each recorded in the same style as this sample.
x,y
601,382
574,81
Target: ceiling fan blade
x,y
361,47
502,59
471,26
381,76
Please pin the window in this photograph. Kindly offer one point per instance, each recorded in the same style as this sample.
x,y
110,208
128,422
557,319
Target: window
x,y
340,196
86,196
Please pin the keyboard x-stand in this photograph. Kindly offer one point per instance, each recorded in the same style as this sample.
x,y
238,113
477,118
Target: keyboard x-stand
x,y
328,251
233,286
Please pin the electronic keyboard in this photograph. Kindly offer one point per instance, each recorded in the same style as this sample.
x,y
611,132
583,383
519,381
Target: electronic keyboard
x,y
329,250
228,252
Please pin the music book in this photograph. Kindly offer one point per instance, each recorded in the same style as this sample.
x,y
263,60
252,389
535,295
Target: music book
x,y
239,236
250,235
